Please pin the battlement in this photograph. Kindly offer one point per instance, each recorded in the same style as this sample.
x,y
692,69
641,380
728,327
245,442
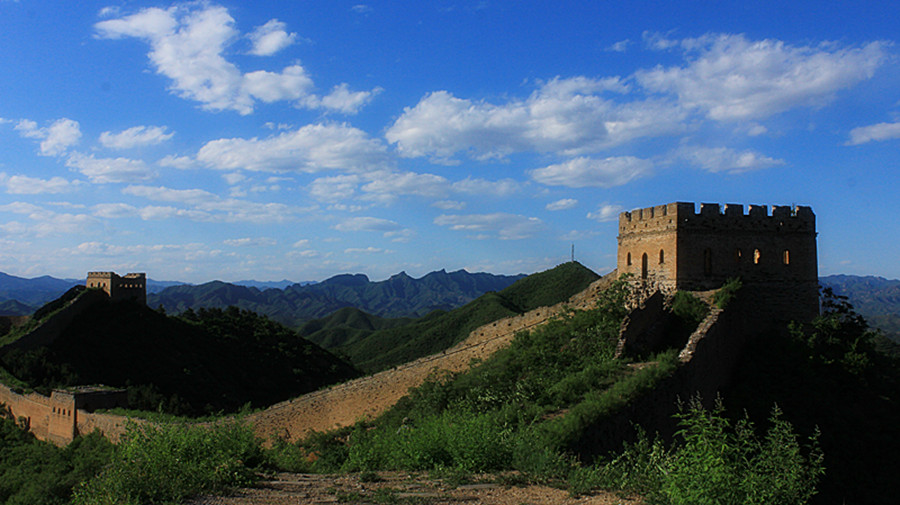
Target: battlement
x,y
730,217
129,286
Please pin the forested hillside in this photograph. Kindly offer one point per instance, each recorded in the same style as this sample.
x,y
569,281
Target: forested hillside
x,y
375,344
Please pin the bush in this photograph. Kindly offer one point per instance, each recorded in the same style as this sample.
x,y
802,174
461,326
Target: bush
x,y
169,463
727,292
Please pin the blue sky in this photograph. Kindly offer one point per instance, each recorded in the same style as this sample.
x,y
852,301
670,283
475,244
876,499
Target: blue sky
x,y
270,140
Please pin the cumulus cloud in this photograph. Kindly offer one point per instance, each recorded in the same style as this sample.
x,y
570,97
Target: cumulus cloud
x,y
342,99
477,186
110,170
387,186
312,148
499,225
728,77
724,159
449,205
24,185
270,38
55,139
188,43
365,250
590,172
876,132
567,116
135,137
564,204
606,212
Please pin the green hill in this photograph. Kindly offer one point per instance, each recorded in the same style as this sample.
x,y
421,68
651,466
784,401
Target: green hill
x,y
202,362
381,348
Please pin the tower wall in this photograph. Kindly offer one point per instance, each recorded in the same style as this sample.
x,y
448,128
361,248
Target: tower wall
x,y
130,286
773,253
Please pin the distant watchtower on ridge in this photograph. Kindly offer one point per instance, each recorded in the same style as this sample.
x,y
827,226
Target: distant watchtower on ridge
x,y
131,286
674,247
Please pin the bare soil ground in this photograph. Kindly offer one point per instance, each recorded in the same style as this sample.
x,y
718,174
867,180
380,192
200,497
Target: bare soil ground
x,y
404,488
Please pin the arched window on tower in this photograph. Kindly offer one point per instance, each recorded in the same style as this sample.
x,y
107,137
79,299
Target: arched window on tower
x,y
707,262
644,266
628,260
662,257
738,254
786,257
756,256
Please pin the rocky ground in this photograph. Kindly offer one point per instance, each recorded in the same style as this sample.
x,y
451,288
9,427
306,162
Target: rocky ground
x,y
404,488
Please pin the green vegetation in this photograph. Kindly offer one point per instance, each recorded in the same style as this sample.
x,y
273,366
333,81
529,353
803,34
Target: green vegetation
x,y
200,363
727,292
39,473
169,463
876,298
385,347
529,407
713,461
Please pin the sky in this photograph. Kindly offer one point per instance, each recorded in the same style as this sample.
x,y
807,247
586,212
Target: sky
x,y
299,140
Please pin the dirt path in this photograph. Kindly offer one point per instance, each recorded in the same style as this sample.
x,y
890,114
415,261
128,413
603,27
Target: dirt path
x,y
367,397
397,487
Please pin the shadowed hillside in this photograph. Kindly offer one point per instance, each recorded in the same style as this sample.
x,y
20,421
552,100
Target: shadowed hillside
x,y
201,362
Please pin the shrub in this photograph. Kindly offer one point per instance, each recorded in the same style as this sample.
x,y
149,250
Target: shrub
x,y
727,292
169,463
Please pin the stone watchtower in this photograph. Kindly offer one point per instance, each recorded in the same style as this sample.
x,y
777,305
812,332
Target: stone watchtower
x,y
674,247
131,286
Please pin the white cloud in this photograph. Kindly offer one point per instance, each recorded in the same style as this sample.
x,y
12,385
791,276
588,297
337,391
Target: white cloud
x,y
115,210
206,206
334,189
24,185
498,225
179,162
568,116
341,99
312,148
367,224
188,43
590,172
564,204
449,205
250,241
606,212
43,222
386,186
875,132
366,250
110,170
501,188
620,46
56,139
724,159
729,77
270,38
135,137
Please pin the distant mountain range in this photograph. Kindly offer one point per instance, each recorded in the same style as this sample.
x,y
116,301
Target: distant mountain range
x,y
876,298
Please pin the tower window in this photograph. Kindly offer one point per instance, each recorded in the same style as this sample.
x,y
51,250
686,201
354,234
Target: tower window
x,y
707,262
756,256
628,260
738,254
662,257
644,266
786,257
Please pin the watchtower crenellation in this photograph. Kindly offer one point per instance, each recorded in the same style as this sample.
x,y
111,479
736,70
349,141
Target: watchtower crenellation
x,y
675,246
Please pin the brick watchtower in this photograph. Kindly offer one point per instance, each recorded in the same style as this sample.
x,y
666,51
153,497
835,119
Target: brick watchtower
x,y
674,247
131,286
